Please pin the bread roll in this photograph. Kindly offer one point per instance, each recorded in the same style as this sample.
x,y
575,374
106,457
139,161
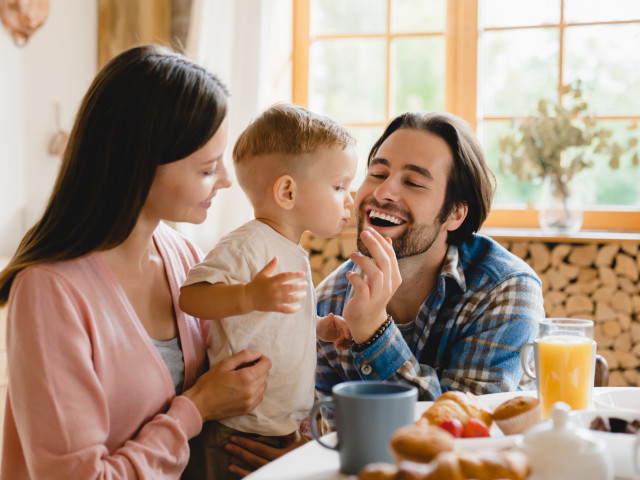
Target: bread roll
x,y
468,464
419,443
460,405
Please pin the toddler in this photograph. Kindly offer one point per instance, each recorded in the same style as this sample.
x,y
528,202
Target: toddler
x,y
255,285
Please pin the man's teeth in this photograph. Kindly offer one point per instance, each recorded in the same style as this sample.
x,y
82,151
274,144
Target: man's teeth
x,y
385,217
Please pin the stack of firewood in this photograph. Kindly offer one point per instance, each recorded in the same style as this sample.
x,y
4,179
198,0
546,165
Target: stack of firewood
x,y
598,282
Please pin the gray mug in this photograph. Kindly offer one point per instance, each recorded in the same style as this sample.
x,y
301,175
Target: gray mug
x,y
366,415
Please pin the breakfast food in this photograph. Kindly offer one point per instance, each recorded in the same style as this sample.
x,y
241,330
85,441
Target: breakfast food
x,y
462,465
419,443
463,407
517,414
615,425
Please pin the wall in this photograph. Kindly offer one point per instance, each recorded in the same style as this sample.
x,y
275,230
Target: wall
x,y
56,65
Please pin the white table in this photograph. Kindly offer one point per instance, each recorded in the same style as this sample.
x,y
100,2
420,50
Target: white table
x,y
314,462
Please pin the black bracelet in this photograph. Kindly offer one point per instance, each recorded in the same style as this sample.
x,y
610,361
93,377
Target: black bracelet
x,y
359,347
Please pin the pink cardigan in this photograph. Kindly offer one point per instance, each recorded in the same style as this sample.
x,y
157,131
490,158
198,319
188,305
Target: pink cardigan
x,y
88,395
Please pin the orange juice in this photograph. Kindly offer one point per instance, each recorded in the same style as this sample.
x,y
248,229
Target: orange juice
x,y
564,373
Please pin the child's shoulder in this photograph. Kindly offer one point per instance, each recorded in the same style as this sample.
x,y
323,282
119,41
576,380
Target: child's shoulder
x,y
251,235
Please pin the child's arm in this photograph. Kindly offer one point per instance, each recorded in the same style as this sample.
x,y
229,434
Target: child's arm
x,y
265,293
333,328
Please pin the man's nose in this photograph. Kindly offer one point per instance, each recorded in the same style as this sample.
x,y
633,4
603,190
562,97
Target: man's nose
x,y
388,190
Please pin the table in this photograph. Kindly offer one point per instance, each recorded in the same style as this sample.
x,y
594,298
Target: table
x,y
314,462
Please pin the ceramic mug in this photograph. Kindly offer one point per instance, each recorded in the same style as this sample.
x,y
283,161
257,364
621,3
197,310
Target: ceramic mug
x,y
565,362
366,415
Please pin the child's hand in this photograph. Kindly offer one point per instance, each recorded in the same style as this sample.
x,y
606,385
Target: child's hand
x,y
275,293
333,328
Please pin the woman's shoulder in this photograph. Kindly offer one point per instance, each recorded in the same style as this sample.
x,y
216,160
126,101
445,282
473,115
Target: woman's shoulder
x,y
36,282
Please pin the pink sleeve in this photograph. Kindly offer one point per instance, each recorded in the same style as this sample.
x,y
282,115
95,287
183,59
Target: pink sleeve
x,y
60,401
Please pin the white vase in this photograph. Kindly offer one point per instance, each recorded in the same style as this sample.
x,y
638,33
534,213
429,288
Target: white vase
x,y
560,208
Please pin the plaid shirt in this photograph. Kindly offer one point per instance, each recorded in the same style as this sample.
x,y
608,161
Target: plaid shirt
x,y
468,333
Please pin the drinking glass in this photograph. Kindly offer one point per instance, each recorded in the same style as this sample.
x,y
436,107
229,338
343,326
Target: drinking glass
x,y
564,358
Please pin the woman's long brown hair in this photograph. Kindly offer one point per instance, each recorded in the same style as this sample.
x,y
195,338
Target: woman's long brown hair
x,y
147,107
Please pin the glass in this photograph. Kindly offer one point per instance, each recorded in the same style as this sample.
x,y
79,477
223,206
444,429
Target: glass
x,y
334,17
510,13
565,357
576,11
604,58
418,72
560,208
347,79
517,68
410,16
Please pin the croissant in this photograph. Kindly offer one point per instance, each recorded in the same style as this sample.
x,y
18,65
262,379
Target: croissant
x,y
460,405
456,465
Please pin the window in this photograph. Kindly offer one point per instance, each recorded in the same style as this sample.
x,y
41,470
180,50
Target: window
x,y
364,61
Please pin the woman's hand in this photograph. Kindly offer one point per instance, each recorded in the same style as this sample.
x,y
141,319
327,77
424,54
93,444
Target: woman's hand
x,y
366,310
257,454
232,387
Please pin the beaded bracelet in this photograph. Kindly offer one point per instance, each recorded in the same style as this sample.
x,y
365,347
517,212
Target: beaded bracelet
x,y
359,347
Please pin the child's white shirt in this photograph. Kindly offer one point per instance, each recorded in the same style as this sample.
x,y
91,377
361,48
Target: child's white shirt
x,y
289,340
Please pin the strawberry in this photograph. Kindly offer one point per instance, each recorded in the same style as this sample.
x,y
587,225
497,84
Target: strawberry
x,y
475,428
453,426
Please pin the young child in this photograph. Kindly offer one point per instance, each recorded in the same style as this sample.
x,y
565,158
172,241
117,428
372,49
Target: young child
x,y
255,285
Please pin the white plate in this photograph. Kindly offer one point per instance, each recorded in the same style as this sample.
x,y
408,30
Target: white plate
x,y
497,439
619,445
618,399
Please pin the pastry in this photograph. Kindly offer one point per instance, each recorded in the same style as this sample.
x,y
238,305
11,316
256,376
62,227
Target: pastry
x,y
419,443
460,405
517,414
468,464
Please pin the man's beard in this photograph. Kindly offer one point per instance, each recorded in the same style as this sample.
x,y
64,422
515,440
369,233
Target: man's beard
x,y
413,241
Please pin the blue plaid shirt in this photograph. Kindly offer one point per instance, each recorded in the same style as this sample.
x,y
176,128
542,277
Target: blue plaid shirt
x,y
468,333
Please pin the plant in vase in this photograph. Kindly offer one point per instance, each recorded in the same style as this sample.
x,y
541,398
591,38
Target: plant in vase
x,y
554,144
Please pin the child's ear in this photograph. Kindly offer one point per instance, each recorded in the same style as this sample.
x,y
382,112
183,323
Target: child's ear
x,y
284,191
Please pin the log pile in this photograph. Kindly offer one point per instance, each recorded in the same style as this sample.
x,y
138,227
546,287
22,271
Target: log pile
x,y
598,281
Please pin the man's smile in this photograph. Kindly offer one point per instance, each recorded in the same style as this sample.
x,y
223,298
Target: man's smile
x,y
379,218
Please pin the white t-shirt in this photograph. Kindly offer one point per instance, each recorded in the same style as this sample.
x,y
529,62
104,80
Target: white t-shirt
x,y
289,340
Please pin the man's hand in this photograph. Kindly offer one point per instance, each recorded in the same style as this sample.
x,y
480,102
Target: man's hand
x,y
275,293
366,310
257,454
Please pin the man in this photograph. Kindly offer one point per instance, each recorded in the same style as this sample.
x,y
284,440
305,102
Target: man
x,y
466,305
426,299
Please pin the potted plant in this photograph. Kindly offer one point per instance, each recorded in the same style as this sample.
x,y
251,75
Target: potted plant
x,y
554,144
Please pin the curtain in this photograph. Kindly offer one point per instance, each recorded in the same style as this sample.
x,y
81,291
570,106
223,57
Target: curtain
x,y
248,44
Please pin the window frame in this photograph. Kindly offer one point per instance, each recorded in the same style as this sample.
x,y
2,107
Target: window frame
x,y
461,37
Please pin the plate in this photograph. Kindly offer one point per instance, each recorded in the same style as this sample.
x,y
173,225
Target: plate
x,y
497,440
619,445
620,398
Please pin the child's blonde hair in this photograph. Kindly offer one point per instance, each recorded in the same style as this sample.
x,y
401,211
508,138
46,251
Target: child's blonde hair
x,y
278,140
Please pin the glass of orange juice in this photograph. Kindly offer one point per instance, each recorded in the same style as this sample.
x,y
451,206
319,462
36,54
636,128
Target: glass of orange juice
x,y
564,359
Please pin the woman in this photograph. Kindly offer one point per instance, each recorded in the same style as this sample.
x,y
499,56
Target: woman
x,y
106,373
